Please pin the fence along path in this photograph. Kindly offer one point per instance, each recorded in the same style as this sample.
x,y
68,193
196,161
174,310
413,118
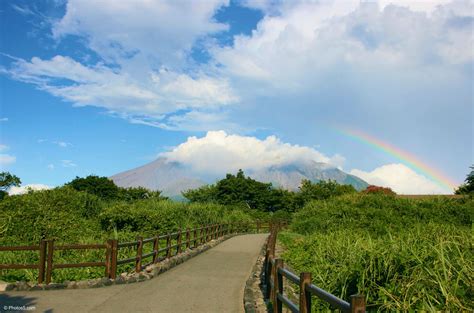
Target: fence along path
x,y
210,282
275,271
174,243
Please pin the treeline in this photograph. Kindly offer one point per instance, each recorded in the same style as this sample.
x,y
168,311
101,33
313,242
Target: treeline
x,y
247,192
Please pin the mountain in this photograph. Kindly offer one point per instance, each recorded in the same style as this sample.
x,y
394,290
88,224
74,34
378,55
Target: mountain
x,y
173,177
169,177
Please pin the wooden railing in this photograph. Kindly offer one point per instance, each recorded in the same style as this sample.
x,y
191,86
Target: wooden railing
x,y
274,271
174,243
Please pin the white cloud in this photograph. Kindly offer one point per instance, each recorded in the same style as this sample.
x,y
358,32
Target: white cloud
x,y
50,166
144,73
219,153
68,163
4,147
27,188
161,30
63,144
4,119
400,179
328,57
300,48
146,97
6,160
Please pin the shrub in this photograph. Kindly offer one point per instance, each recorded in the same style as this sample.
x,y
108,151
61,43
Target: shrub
x,y
371,189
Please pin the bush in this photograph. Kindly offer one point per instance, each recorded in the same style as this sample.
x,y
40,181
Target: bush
x,y
379,190
403,254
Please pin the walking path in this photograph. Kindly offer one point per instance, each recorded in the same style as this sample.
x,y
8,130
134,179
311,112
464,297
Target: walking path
x,y
213,281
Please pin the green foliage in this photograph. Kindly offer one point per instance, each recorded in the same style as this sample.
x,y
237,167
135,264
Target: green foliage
x,y
107,190
241,190
99,186
155,216
322,190
403,254
71,216
468,186
138,193
61,213
7,180
380,214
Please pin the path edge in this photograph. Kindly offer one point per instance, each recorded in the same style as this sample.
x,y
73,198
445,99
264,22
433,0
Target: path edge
x,y
148,273
254,301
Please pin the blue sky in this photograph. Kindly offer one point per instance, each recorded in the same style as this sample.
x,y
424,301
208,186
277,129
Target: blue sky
x,y
91,87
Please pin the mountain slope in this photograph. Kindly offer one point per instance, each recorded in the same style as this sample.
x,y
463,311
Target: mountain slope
x,y
172,177
169,177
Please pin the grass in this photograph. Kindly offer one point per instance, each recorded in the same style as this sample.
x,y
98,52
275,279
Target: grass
x,y
397,252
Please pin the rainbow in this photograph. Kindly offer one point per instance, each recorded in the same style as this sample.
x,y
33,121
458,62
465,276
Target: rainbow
x,y
403,156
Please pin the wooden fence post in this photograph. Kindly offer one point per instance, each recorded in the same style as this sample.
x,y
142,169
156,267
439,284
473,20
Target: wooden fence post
x,y
278,286
268,269
195,232
138,262
357,304
156,247
108,253
42,260
305,295
188,238
178,251
49,267
168,246
113,258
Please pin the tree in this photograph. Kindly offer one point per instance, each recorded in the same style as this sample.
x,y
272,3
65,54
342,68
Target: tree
x,y
238,189
321,190
99,186
468,186
7,180
106,189
137,193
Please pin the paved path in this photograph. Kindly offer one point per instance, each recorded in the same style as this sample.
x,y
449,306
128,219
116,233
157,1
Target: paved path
x,y
213,281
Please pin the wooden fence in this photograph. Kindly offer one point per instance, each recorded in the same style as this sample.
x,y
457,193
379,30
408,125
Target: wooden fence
x,y
274,271
162,247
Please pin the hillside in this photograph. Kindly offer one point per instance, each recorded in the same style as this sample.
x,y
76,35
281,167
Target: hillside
x,y
172,178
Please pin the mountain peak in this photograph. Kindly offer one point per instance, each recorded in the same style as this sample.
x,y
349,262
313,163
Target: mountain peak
x,y
173,177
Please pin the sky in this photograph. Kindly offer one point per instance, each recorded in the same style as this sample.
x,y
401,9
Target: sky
x,y
381,89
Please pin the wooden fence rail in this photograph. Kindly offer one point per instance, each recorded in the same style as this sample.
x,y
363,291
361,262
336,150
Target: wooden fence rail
x,y
275,271
173,244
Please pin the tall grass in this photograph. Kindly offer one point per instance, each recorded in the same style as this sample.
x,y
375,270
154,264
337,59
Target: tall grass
x,y
402,259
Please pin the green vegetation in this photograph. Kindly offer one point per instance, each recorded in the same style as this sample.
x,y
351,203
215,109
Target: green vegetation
x,y
404,254
468,186
7,180
245,191
107,190
71,216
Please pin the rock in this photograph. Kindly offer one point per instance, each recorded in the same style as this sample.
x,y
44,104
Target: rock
x,y
120,280
37,287
54,286
149,268
22,286
82,284
3,285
